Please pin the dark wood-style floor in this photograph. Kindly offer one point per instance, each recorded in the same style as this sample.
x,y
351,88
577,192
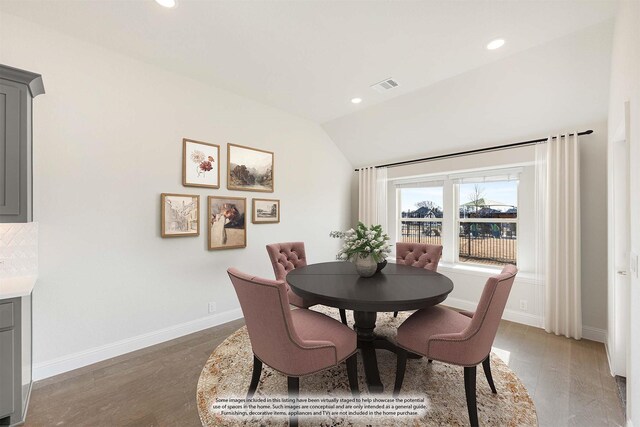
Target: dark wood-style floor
x,y
568,380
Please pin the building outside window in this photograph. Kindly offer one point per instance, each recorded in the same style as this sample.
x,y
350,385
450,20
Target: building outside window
x,y
421,214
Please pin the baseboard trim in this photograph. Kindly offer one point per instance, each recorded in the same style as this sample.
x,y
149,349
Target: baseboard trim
x,y
594,334
588,332
77,360
83,358
509,314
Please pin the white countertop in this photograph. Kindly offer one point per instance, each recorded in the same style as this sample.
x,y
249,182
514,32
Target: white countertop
x,y
14,287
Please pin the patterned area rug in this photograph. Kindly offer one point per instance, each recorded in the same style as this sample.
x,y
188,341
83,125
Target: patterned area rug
x,y
227,373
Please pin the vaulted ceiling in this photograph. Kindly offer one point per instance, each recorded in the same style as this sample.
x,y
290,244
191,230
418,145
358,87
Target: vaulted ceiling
x,y
311,57
559,86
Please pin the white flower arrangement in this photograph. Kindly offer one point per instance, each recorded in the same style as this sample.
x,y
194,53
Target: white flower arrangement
x,y
362,242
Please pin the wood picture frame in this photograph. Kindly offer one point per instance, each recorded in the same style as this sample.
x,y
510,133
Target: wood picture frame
x,y
200,164
179,215
250,169
265,211
226,222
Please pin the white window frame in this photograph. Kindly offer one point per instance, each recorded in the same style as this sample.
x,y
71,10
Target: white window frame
x,y
513,175
424,183
451,220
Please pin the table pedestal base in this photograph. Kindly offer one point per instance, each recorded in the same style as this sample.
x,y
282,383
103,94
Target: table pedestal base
x,y
368,342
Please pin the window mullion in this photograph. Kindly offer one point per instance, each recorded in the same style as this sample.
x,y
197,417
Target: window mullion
x,y
449,247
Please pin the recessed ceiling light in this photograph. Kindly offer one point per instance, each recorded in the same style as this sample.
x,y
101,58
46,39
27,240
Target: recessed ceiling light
x,y
167,3
495,44
356,100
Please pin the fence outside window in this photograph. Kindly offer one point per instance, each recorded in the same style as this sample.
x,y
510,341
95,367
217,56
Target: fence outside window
x,y
487,241
484,242
419,231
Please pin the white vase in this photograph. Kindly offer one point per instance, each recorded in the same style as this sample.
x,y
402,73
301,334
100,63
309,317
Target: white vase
x,y
367,266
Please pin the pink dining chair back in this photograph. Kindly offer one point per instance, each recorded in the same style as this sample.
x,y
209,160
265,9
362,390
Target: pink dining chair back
x,y
265,307
419,255
286,257
471,346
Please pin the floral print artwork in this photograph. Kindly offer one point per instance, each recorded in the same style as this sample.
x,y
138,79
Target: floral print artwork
x,y
201,164
204,165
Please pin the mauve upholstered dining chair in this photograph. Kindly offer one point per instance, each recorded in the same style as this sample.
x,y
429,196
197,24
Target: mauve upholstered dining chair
x,y
294,342
419,255
462,339
289,256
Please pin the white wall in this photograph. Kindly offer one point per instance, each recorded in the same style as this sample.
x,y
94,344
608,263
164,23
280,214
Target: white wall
x,y
625,87
468,282
593,227
107,142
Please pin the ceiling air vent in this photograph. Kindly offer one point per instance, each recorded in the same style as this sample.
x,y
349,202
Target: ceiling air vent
x,y
385,85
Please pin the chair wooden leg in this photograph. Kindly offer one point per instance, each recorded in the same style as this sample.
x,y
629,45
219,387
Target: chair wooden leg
x,y
343,316
486,365
255,378
470,391
395,314
352,373
293,386
401,366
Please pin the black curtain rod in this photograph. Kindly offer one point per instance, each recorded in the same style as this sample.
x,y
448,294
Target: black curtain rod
x,y
478,150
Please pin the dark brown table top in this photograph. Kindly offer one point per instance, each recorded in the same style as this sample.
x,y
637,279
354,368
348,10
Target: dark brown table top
x,y
396,288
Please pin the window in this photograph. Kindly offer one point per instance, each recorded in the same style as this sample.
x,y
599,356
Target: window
x,y
421,214
474,216
488,220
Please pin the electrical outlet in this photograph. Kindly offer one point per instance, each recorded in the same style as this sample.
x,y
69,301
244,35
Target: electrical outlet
x,y
523,304
212,307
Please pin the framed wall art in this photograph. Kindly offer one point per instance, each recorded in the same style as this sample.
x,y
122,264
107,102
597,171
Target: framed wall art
x,y
226,222
265,211
249,169
180,215
200,164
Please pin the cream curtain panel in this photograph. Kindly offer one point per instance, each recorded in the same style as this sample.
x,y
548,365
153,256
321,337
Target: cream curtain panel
x,y
557,205
372,196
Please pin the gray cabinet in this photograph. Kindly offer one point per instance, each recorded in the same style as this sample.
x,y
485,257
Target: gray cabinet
x,y
15,359
6,372
17,90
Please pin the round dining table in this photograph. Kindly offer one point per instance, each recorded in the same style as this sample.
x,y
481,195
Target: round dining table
x,y
396,288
